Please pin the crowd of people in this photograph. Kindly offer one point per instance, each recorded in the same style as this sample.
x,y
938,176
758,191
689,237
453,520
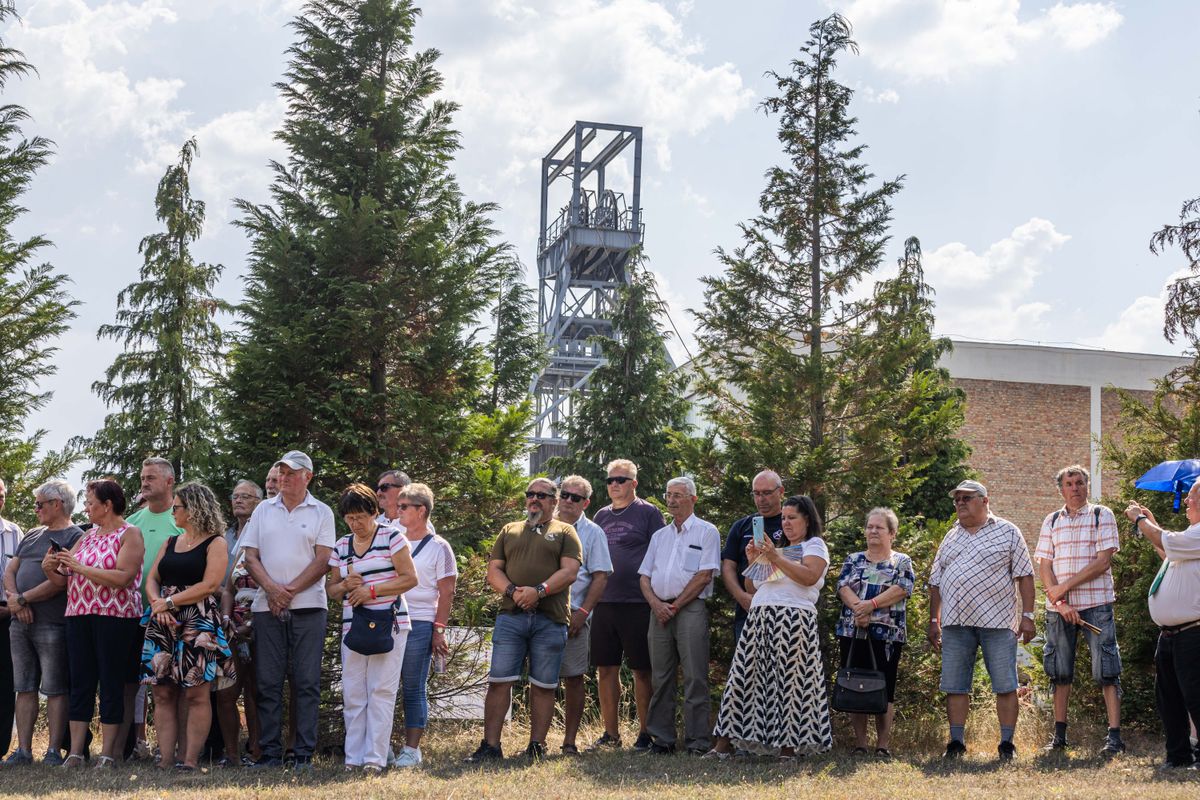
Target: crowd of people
x,y
205,614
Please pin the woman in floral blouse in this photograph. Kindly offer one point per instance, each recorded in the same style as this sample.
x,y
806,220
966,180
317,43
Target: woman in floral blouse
x,y
874,587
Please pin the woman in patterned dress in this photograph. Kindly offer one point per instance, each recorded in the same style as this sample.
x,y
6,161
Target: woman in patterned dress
x,y
775,699
185,648
102,573
874,587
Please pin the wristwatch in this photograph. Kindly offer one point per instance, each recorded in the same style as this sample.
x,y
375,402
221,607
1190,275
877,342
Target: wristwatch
x,y
541,590
510,591
1027,614
21,601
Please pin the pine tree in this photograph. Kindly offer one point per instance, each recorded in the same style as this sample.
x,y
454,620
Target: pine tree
x,y
634,406
34,304
517,349
1183,297
369,272
162,383
838,393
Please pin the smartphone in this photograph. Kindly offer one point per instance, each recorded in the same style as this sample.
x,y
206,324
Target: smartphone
x,y
55,547
760,531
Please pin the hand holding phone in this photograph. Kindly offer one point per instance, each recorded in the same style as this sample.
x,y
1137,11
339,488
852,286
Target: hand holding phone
x,y
760,531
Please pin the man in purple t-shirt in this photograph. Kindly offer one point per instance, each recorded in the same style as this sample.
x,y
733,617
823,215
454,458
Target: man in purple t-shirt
x,y
622,617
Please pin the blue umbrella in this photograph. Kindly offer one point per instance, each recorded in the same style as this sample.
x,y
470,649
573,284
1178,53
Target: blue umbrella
x,y
1171,476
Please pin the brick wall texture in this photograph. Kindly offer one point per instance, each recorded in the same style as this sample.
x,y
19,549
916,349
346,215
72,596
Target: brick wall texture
x,y
1021,434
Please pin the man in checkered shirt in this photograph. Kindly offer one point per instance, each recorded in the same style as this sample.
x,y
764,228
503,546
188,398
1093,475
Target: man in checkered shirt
x,y
973,606
1074,555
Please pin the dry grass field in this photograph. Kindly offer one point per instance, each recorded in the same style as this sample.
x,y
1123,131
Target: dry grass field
x,y
911,776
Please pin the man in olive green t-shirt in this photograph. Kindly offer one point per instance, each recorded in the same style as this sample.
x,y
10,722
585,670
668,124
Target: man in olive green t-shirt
x,y
533,564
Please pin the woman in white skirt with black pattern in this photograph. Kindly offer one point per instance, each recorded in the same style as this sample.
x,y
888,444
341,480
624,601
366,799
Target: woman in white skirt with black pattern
x,y
775,699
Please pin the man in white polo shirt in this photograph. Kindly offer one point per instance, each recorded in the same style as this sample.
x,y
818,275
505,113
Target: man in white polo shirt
x,y
1175,609
677,576
287,543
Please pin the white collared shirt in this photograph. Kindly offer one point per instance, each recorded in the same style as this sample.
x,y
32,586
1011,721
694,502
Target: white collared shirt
x,y
285,541
675,556
10,539
1177,600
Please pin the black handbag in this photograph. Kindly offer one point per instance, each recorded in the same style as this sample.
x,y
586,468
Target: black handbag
x,y
860,691
371,631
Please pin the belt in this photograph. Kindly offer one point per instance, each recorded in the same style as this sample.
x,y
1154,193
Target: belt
x,y
1171,630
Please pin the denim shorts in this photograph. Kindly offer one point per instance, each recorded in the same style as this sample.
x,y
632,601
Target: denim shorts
x,y
960,645
521,635
39,657
1058,657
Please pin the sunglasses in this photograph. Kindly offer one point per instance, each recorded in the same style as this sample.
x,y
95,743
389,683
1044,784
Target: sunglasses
x,y
383,487
40,504
621,479
539,495
407,506
574,498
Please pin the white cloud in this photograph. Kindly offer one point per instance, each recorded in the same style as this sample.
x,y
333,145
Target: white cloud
x,y
939,39
986,295
698,201
1139,328
885,96
538,66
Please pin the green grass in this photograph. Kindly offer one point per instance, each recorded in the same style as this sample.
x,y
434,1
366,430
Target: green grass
x,y
912,775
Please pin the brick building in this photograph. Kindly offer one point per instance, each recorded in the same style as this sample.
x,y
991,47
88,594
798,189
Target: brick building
x,y
1032,410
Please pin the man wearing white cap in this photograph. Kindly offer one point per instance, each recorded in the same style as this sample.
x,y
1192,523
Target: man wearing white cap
x,y
972,607
287,543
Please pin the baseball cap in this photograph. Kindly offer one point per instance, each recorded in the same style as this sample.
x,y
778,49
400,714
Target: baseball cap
x,y
296,460
965,486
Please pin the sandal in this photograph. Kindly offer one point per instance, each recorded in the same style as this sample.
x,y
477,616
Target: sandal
x,y
73,761
569,750
883,752
105,762
859,751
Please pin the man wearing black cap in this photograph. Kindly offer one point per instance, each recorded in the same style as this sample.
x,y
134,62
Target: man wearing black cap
x,y
287,543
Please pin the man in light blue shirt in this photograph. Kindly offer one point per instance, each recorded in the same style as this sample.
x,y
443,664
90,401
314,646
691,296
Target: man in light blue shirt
x,y
574,495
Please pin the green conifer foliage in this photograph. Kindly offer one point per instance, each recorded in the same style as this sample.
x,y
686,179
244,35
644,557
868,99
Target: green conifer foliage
x,y
635,405
161,386
810,371
34,306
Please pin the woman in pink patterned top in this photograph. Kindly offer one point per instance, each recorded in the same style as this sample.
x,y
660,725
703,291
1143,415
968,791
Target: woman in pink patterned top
x,y
102,573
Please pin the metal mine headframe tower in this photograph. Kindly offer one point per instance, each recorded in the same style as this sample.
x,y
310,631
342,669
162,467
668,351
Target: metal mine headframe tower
x,y
582,255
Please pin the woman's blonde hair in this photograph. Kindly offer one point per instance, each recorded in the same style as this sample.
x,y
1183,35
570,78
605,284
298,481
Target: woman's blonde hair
x,y
204,510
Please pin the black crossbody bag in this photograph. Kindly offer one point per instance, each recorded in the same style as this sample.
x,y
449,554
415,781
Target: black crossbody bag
x,y
860,691
371,629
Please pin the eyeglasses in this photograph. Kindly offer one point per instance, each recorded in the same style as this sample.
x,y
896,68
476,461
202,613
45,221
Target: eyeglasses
x,y
407,506
574,498
765,492
178,507
675,496
539,495
963,499
621,479
40,504
242,496
383,487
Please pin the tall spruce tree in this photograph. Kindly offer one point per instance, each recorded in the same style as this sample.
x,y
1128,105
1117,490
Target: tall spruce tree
x,y
517,349
368,274
34,304
1183,296
839,393
635,405
162,384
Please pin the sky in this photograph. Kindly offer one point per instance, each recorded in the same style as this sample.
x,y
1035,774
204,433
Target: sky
x,y
1041,144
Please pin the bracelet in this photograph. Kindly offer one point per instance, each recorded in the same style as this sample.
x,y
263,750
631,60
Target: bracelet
x,y
1138,519
874,605
372,592
439,626
586,613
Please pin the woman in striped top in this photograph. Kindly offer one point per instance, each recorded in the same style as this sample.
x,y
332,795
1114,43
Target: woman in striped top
x,y
372,567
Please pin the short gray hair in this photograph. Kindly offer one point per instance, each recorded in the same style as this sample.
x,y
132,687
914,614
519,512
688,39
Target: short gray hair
x,y
397,476
625,464
1074,469
685,482
893,522
58,490
247,482
419,492
577,480
164,466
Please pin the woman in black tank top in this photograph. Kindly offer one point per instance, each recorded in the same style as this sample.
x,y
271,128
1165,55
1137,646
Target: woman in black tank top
x,y
186,647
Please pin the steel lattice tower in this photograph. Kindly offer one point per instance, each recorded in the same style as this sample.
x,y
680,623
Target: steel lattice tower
x,y
582,257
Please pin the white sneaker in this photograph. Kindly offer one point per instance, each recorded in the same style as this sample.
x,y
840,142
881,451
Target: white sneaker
x,y
408,757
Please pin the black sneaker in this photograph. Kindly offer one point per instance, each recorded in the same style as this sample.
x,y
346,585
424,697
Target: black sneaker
x,y
661,749
1057,744
1112,748
606,741
267,763
485,753
644,742
954,750
536,751
1007,751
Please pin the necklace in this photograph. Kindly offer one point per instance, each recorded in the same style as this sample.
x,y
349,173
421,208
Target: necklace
x,y
616,513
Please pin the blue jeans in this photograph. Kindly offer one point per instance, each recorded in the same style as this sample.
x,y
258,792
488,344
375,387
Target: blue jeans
x,y
960,643
534,635
1058,657
414,675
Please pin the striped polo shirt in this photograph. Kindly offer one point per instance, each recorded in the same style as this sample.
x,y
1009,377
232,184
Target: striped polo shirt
x,y
375,566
